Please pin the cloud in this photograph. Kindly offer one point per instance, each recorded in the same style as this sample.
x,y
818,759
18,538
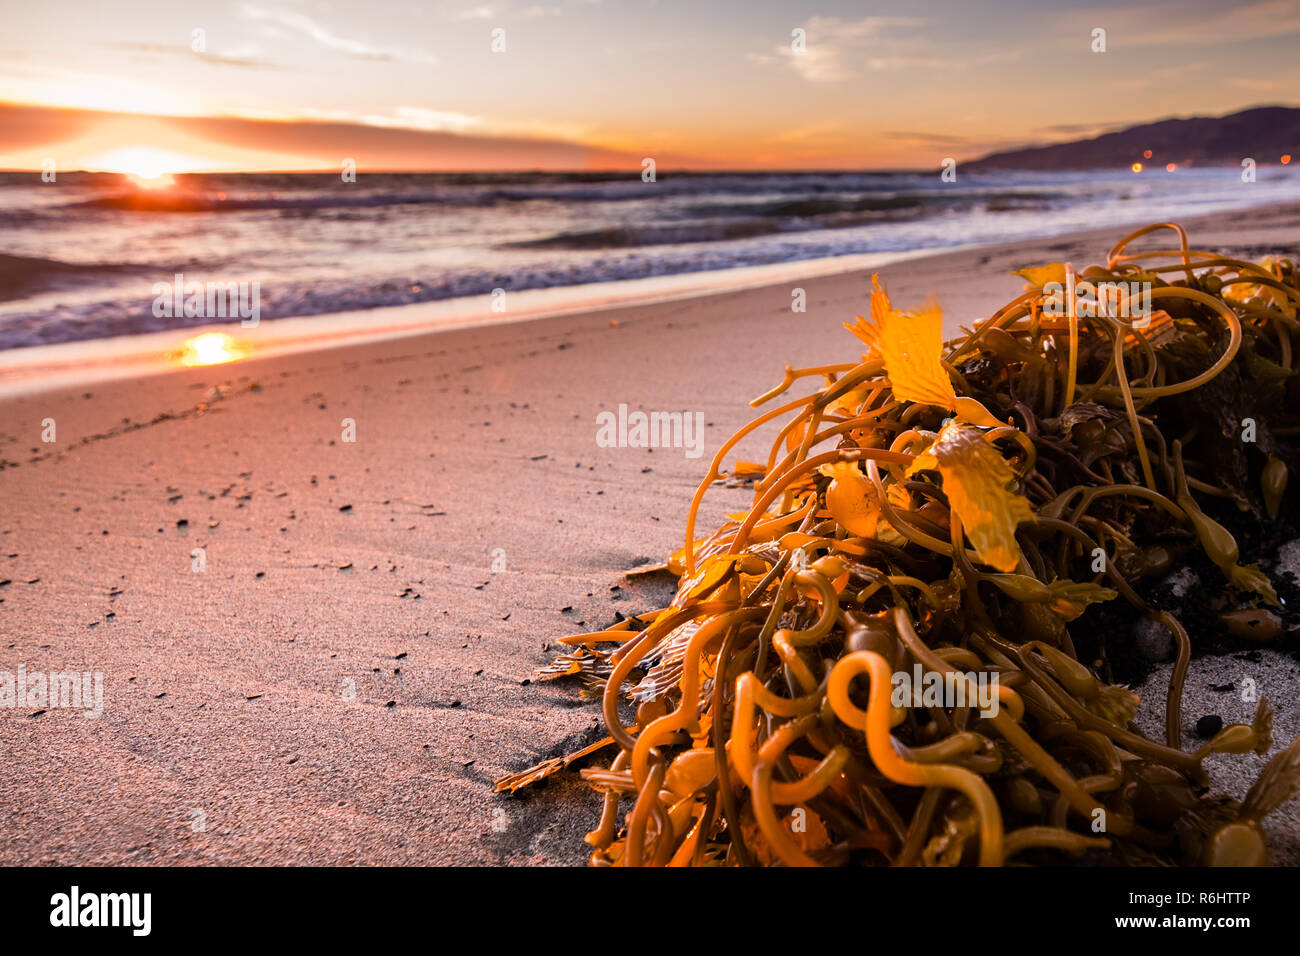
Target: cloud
x,y
314,31
1175,25
245,57
315,140
928,139
1071,131
1255,84
415,119
1177,71
486,12
419,118
953,144
835,49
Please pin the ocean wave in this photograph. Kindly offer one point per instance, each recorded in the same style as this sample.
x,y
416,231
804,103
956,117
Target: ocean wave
x,y
718,231
25,276
319,246
790,195
801,207
129,311
168,201
728,222
343,196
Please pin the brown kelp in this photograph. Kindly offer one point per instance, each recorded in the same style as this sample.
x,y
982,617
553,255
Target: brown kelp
x,y
879,662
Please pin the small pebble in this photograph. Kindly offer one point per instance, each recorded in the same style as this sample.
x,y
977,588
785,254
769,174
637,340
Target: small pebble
x,y
1208,726
1153,640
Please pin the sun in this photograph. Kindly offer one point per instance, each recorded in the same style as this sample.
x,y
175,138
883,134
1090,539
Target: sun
x,y
161,181
147,167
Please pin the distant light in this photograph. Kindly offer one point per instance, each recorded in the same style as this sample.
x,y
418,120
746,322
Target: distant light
x,y
1170,167
1146,154
210,348
1137,167
1286,158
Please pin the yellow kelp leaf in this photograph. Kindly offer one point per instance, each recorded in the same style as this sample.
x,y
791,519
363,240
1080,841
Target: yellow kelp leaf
x,y
797,539
1071,598
809,835
1041,275
848,404
1248,577
676,563
645,570
515,781
911,344
1262,725
713,572
566,667
901,499
1159,330
1221,546
899,496
1114,703
975,478
1245,291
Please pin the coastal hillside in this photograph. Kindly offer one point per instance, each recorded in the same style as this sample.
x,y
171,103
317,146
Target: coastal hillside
x,y
1265,134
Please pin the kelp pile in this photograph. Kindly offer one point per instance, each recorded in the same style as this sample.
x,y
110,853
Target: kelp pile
x,y
951,515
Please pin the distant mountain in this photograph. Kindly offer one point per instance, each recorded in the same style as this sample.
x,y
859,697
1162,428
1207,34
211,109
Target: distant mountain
x,y
1263,134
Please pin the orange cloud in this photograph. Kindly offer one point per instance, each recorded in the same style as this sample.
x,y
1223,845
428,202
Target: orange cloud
x,y
77,138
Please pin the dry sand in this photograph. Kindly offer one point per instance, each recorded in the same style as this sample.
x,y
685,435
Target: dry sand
x,y
364,570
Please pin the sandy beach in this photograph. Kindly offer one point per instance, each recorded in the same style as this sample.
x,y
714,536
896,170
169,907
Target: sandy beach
x,y
352,668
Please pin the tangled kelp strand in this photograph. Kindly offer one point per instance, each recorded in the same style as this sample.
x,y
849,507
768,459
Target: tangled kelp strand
x,y
956,518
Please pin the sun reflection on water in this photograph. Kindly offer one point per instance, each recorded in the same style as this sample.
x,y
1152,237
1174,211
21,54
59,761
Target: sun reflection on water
x,y
210,348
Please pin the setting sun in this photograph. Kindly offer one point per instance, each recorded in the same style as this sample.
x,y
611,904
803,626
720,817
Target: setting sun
x,y
161,181
147,166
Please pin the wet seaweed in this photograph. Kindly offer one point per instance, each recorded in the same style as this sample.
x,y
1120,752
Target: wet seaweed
x,y
962,516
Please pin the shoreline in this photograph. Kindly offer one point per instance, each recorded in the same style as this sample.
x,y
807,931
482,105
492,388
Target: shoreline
x,y
86,361
353,665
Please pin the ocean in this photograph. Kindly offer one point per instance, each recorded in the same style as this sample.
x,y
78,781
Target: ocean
x,y
80,257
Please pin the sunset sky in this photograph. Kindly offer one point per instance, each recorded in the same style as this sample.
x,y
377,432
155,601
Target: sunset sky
x,y
590,84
